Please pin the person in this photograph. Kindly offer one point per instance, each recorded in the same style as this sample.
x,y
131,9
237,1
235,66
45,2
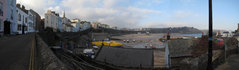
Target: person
x,y
146,46
134,41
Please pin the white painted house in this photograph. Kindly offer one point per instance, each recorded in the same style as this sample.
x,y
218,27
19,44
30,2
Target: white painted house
x,y
85,25
76,25
30,23
22,19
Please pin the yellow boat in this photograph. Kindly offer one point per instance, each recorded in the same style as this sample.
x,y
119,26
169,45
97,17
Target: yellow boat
x,y
108,43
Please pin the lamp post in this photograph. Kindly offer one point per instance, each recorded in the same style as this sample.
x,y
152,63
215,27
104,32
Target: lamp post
x,y
209,66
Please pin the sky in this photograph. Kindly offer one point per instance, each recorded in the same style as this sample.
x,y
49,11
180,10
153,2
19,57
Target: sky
x,y
144,13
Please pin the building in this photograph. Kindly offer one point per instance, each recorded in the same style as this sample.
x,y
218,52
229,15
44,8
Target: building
x,y
41,25
114,27
85,25
37,21
30,22
8,13
237,31
66,24
60,25
104,26
95,25
52,20
22,19
3,15
76,24
68,27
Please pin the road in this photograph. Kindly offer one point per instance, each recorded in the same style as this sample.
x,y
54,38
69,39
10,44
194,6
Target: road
x,y
231,63
15,52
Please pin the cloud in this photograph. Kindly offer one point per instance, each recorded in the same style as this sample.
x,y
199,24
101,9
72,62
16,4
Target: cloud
x,y
39,6
184,14
156,24
112,12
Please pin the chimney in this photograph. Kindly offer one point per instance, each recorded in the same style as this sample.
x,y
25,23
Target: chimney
x,y
18,5
23,7
238,26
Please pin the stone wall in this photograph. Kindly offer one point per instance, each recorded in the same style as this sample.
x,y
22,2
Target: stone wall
x,y
46,59
197,63
123,57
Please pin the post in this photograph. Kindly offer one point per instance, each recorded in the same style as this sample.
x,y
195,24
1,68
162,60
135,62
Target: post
x,y
209,66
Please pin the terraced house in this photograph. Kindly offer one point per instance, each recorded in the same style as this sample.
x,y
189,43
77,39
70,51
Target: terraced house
x,y
25,22
7,17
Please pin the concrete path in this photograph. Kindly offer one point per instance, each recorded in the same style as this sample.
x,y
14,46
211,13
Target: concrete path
x,y
232,63
15,52
159,58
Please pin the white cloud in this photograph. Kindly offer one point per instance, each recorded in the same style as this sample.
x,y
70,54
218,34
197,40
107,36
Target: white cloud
x,y
112,12
156,24
39,6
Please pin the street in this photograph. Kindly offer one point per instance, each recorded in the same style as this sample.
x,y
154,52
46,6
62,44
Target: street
x,y
15,52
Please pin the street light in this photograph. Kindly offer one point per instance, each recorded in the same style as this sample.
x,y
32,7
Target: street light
x,y
209,66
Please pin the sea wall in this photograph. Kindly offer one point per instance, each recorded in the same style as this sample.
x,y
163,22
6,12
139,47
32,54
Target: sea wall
x,y
46,59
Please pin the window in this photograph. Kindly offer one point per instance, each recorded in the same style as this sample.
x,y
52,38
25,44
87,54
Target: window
x,y
25,20
11,1
25,28
19,27
1,9
11,14
19,17
0,24
30,17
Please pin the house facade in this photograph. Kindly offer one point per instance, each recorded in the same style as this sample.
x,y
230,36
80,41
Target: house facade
x,y
76,24
9,24
30,22
22,19
52,20
3,15
36,21
85,25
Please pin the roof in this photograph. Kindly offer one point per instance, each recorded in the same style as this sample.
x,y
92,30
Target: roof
x,y
126,57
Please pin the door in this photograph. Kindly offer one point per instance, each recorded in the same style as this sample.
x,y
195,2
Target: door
x,y
7,27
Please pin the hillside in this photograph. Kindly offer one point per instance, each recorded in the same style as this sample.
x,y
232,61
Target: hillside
x,y
185,30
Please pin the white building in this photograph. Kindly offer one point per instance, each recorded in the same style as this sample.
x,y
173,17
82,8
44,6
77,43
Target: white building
x,y
52,20
104,26
68,27
76,25
227,34
3,15
95,25
66,24
11,26
22,19
31,24
85,25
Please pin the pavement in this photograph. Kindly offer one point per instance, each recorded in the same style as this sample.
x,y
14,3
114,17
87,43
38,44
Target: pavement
x,y
15,52
231,63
